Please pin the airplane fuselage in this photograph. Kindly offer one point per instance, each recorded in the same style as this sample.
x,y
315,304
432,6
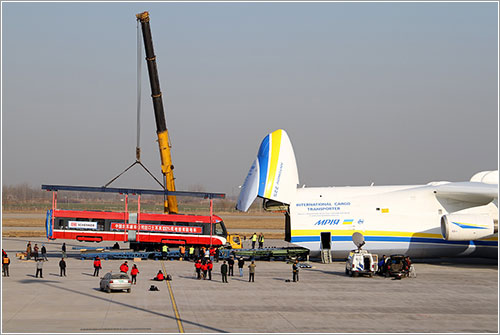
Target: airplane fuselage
x,y
393,219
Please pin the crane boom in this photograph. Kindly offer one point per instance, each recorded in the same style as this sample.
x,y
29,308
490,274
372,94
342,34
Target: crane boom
x,y
170,205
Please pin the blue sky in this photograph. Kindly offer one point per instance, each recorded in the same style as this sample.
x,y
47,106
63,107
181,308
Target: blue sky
x,y
391,93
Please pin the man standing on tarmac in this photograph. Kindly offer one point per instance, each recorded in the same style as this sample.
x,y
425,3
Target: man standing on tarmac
x,y
44,252
124,267
164,251
230,262
5,265
62,267
210,266
39,268
295,269
191,252
28,250
223,271
254,239
134,273
212,252
182,250
261,241
241,262
35,252
204,268
97,266
251,272
197,266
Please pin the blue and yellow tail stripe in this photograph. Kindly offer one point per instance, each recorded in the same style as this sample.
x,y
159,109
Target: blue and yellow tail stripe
x,y
275,154
345,235
263,158
268,157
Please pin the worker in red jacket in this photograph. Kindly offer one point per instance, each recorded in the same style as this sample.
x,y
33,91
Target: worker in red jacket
x,y
212,253
97,266
204,268
210,266
134,273
159,276
197,266
124,267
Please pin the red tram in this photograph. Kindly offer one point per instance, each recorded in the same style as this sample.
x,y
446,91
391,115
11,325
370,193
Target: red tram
x,y
142,230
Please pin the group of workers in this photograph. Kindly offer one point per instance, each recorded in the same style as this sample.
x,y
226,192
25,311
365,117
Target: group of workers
x,y
192,253
256,239
33,253
203,257
204,268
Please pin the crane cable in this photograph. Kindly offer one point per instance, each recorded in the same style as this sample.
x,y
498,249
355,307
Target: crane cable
x,y
139,72
139,92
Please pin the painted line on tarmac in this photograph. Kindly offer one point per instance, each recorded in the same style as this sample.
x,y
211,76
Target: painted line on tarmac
x,y
172,299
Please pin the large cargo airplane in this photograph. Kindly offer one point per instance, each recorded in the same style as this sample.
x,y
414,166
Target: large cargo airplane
x,y
439,219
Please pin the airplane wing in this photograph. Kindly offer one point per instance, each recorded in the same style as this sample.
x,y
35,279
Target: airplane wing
x,y
475,193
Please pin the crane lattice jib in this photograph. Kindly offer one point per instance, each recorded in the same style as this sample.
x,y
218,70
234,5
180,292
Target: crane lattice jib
x,y
170,205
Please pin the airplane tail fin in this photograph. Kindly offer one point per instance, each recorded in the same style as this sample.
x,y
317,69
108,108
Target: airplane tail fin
x,y
273,175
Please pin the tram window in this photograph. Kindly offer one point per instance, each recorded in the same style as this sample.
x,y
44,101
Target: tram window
x,y
100,224
218,229
61,223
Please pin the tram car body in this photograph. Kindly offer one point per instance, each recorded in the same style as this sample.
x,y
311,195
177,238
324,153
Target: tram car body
x,y
142,230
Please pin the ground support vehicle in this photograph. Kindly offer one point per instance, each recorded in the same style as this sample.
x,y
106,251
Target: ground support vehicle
x,y
361,262
115,281
395,266
234,241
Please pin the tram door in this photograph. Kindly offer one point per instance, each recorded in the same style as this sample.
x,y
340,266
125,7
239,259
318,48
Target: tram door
x,y
132,218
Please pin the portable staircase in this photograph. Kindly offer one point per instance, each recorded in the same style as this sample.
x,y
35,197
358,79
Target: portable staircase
x,y
326,256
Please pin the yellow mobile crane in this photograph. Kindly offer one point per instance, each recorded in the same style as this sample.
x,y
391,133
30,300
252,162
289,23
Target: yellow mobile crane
x,y
170,204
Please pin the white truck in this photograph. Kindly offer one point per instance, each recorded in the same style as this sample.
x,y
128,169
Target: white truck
x,y
361,262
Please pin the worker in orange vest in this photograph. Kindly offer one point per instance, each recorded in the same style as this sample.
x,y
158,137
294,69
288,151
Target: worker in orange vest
x,y
97,266
124,267
197,266
182,250
134,273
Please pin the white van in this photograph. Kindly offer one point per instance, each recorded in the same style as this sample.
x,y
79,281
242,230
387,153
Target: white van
x,y
361,262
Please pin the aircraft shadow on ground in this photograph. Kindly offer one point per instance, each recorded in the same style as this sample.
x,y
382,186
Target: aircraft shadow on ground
x,y
88,274
335,273
187,277
36,280
49,283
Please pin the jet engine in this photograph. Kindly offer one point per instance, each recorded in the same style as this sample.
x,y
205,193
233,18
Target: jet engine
x,y
467,227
